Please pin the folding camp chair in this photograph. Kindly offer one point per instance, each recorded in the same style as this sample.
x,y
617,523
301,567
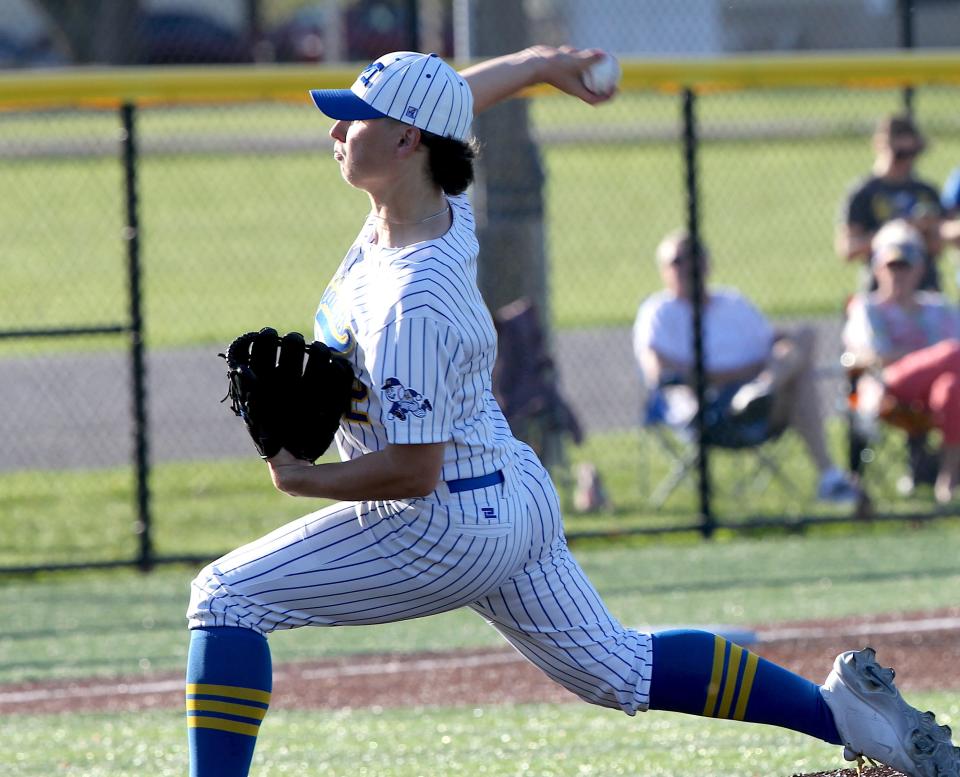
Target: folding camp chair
x,y
867,427
667,421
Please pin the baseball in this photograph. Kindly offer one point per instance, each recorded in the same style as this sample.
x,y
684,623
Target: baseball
x,y
604,76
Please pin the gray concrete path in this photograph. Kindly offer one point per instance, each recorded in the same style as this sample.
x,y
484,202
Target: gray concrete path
x,y
73,411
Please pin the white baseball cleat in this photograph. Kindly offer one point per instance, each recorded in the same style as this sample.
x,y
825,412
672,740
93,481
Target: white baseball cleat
x,y
876,723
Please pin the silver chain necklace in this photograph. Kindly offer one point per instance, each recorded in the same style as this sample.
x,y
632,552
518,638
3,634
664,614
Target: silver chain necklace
x,y
409,223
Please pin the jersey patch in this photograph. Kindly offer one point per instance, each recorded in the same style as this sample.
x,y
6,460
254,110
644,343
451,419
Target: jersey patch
x,y
330,327
403,401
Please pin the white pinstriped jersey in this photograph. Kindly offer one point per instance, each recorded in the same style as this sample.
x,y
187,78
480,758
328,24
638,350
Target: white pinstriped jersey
x,y
490,537
422,344
421,341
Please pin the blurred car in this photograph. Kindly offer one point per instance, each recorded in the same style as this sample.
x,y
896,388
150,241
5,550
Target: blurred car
x,y
301,37
371,28
36,52
182,37
10,50
375,27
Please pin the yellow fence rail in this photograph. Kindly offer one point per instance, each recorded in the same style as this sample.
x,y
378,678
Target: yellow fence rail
x,y
113,86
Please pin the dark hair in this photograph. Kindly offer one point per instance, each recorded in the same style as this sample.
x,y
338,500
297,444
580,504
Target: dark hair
x,y
451,161
898,125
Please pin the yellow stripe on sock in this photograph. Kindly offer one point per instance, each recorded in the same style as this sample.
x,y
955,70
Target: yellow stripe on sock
x,y
719,646
230,691
733,669
222,724
749,671
243,710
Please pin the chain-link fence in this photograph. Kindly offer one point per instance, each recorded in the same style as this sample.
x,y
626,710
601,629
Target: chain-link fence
x,y
243,218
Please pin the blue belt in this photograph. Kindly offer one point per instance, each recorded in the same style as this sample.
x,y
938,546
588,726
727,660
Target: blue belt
x,y
471,484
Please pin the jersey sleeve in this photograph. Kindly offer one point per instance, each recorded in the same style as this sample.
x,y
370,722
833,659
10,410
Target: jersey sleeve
x,y
950,196
413,370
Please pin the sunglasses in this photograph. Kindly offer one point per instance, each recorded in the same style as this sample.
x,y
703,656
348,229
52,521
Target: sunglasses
x,y
681,260
902,154
899,265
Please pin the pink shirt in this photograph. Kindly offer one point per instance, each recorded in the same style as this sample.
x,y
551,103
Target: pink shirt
x,y
886,328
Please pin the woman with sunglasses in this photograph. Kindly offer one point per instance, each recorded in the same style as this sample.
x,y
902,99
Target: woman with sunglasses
x,y
892,191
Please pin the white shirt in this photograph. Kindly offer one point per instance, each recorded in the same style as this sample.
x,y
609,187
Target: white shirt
x,y
735,333
422,344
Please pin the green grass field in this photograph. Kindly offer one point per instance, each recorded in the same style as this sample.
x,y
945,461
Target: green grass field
x,y
108,623
69,625
541,740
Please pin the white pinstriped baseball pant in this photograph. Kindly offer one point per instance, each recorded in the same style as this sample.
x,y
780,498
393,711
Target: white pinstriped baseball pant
x,y
498,550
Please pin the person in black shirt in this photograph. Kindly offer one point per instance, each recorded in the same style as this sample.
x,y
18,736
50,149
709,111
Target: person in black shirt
x,y
892,191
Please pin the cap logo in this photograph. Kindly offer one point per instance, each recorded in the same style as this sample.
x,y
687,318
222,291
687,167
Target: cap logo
x,y
411,112
370,70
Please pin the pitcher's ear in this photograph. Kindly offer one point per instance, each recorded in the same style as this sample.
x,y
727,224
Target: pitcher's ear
x,y
409,138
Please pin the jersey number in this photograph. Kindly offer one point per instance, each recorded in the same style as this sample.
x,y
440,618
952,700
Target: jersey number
x,y
359,394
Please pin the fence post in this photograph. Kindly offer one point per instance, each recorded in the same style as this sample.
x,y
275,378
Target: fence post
x,y
906,8
413,24
137,364
691,143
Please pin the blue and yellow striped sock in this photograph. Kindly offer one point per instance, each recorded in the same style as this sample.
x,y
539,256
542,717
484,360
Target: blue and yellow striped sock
x,y
229,679
703,674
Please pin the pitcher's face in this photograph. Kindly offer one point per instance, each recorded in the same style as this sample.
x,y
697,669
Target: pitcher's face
x,y
365,150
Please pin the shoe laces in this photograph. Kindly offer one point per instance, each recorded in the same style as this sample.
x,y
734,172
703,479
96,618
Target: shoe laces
x,y
880,675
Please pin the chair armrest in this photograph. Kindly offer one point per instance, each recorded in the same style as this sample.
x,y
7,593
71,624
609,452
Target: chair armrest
x,y
856,364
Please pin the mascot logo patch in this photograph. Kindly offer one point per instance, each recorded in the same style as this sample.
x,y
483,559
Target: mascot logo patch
x,y
404,402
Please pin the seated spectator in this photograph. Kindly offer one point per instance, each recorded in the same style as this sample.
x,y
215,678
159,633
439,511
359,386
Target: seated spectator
x,y
913,336
892,191
760,380
950,201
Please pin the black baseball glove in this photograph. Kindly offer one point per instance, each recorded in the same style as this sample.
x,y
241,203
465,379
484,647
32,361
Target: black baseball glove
x,y
286,401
